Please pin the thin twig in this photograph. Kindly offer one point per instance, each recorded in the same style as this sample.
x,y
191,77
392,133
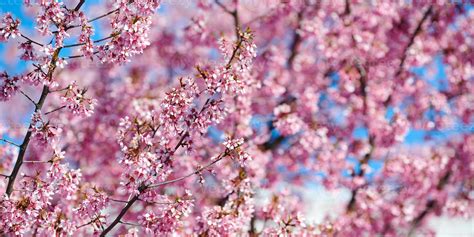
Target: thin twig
x,y
95,41
408,46
80,55
54,110
92,19
79,5
9,142
234,14
223,7
30,40
190,174
35,161
4,175
116,200
28,97
128,223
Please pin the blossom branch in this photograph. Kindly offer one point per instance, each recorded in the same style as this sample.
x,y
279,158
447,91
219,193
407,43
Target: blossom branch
x,y
417,31
363,91
296,42
123,211
143,188
39,105
220,157
430,205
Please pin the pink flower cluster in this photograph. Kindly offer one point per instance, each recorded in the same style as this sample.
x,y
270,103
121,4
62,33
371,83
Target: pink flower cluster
x,y
174,124
43,131
77,102
8,86
9,27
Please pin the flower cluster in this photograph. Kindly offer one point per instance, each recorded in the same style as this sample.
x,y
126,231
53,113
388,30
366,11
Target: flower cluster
x,y
93,202
43,131
87,49
169,217
329,99
234,147
53,13
9,27
8,86
131,26
76,101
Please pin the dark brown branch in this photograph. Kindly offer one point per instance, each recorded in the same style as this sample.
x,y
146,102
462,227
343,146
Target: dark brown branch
x,y
123,211
79,5
408,46
363,91
296,42
104,15
234,14
351,204
26,141
80,55
347,9
28,97
430,205
30,40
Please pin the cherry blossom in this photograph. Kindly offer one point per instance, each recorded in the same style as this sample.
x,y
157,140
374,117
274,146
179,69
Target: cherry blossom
x,y
217,118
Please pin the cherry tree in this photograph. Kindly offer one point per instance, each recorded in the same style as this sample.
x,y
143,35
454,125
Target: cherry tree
x,y
208,118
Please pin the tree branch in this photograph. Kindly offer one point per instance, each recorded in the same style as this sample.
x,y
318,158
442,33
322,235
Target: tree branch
x,y
9,142
408,46
30,40
234,14
54,110
430,205
296,42
28,97
123,211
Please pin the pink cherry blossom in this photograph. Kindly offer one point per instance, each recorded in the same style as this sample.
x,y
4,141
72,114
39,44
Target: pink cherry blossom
x,y
224,118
